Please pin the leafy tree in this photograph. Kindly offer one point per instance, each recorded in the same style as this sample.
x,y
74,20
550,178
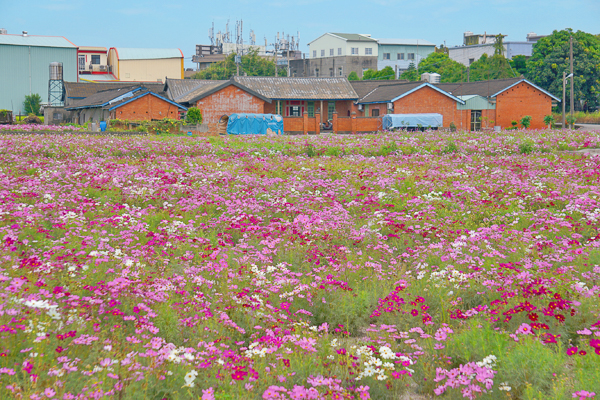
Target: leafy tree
x,y
251,64
32,104
386,73
353,76
440,63
411,73
499,45
488,68
519,64
193,116
551,57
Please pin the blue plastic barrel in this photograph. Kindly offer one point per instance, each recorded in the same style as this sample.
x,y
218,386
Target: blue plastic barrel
x,y
102,126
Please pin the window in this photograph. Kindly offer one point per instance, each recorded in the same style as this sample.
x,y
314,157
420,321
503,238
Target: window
x,y
330,109
368,51
340,71
375,112
475,120
331,72
386,56
95,59
81,63
400,56
471,61
57,116
317,72
411,56
314,54
355,50
339,51
310,108
331,52
322,53
294,111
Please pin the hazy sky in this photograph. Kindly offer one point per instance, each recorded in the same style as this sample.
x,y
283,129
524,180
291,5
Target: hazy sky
x,y
185,23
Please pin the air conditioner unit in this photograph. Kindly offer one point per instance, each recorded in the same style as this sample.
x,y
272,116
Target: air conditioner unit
x,y
390,106
360,107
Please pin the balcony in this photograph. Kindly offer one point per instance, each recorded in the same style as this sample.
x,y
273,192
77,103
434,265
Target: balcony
x,y
94,69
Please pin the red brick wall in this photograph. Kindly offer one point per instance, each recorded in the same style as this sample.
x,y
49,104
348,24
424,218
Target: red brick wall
x,y
147,108
293,124
227,101
520,100
428,100
344,124
368,124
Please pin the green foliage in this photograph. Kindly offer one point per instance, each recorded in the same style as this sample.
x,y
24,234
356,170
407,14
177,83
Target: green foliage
x,y
499,45
411,73
386,73
519,64
450,147
32,104
526,146
550,59
526,121
440,63
488,68
571,119
452,127
193,116
252,65
353,76
549,120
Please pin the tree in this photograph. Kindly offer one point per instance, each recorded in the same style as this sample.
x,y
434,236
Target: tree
x,y
499,45
193,116
519,64
353,76
251,64
32,104
411,73
550,59
489,68
386,73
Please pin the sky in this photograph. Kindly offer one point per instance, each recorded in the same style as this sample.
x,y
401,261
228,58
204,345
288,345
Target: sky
x,y
184,23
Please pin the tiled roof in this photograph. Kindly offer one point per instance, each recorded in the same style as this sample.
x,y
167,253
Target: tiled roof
x,y
113,98
38,41
385,93
81,90
292,88
146,54
178,89
202,88
362,88
481,88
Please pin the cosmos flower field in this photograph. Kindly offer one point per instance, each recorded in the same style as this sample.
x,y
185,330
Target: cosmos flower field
x,y
388,266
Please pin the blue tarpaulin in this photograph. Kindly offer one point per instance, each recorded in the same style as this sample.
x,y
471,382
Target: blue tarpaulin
x,y
391,121
255,124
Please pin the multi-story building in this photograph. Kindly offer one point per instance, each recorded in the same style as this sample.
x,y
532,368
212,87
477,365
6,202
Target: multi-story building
x,y
400,53
474,46
338,54
145,65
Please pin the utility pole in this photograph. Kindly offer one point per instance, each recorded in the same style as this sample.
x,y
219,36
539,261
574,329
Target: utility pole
x,y
572,77
468,74
563,98
276,67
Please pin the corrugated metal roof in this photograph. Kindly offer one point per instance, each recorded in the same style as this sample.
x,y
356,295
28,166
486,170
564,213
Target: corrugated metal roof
x,y
385,93
284,88
147,54
475,102
408,42
112,96
34,40
177,89
98,78
362,88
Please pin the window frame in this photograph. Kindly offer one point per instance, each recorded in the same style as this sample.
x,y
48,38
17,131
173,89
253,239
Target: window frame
x,y
368,51
97,58
387,56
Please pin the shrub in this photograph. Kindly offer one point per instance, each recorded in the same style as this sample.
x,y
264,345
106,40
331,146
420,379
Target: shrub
x,y
450,147
194,116
526,121
549,120
526,146
32,104
452,127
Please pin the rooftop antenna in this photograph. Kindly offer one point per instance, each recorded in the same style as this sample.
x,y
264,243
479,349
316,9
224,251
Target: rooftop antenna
x,y
211,34
252,37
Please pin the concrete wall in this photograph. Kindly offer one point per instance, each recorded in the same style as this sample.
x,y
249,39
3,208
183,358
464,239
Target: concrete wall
x,y
145,70
229,100
520,100
146,108
400,66
326,65
328,42
25,70
464,54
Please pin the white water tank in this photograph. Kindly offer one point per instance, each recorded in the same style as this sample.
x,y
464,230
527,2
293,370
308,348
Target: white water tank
x,y
56,71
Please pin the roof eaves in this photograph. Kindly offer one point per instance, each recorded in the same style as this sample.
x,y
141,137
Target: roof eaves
x,y
144,94
431,86
535,86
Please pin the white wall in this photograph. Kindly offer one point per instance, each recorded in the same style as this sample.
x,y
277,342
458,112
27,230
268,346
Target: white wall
x,y
328,42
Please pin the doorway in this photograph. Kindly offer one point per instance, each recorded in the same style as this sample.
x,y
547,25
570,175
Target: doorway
x,y
475,120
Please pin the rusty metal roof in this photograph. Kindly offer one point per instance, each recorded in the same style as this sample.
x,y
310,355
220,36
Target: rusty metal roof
x,y
82,90
202,88
362,88
291,88
178,89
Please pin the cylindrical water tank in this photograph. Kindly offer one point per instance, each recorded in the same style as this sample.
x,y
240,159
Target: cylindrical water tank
x,y
56,71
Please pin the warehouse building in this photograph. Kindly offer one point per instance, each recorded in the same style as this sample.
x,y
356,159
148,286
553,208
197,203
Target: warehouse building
x,y
25,66
145,65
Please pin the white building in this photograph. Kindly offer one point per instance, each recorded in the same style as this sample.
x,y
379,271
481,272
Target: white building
x,y
343,44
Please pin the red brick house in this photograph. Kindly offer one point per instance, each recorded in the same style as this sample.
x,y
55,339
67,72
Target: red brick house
x,y
126,103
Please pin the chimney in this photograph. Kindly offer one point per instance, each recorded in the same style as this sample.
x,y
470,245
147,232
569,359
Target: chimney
x,y
24,33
